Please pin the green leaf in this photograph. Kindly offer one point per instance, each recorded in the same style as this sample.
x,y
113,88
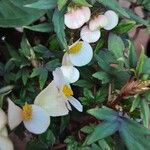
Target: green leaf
x,y
61,3
104,145
103,76
132,55
136,103
43,27
146,66
64,122
114,5
88,94
103,130
116,45
52,65
25,46
83,84
43,4
140,64
36,72
137,18
82,3
88,129
47,138
43,77
145,112
58,21
103,113
14,14
124,27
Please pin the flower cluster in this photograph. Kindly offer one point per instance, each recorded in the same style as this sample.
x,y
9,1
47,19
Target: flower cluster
x,y
56,99
76,17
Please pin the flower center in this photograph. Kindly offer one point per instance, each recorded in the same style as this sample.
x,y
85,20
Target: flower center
x,y
67,90
75,48
27,112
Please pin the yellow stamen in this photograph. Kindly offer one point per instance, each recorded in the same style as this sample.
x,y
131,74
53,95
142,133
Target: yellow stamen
x,y
75,48
67,90
27,112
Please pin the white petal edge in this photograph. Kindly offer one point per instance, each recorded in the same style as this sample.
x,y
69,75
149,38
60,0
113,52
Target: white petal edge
x,y
3,119
83,57
58,77
113,19
51,100
40,120
99,21
71,74
5,144
75,103
89,36
4,132
66,60
74,19
87,13
14,115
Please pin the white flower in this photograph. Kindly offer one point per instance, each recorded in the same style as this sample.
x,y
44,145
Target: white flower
x,y
76,17
112,18
5,143
79,54
70,73
57,96
89,36
35,119
98,22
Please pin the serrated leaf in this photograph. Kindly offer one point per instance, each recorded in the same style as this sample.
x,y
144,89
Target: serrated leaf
x,y
88,94
43,4
83,84
36,72
43,77
43,27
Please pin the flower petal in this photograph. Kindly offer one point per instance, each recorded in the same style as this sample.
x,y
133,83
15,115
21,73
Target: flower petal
x,y
75,103
112,19
86,12
50,100
83,57
98,22
66,60
14,115
74,19
71,74
3,119
89,36
5,143
4,132
58,77
40,120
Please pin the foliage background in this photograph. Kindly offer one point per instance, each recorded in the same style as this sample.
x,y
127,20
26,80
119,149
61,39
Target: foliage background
x,y
27,60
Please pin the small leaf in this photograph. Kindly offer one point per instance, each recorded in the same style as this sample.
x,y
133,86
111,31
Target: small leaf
x,y
52,65
61,3
104,77
103,130
43,77
88,94
124,27
145,112
58,21
104,113
116,45
43,4
83,84
82,3
43,27
135,103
